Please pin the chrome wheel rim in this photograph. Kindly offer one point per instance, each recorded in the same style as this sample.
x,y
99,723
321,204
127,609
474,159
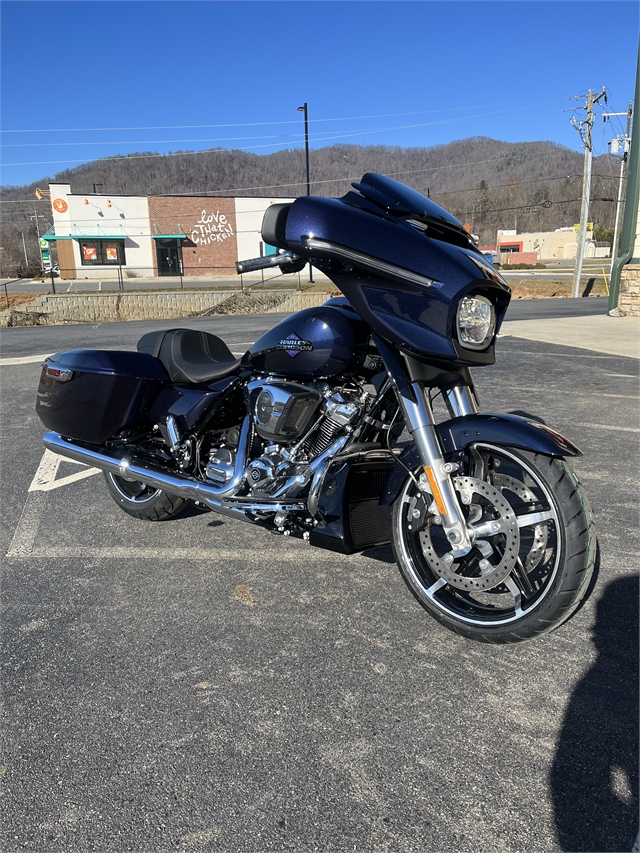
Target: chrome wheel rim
x,y
466,596
133,491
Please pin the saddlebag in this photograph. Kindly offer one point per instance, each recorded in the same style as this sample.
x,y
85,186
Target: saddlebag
x,y
93,395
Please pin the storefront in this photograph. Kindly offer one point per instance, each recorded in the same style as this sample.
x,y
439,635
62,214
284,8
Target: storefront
x,y
101,236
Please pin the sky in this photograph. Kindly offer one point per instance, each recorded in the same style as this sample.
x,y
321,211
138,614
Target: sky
x,y
82,80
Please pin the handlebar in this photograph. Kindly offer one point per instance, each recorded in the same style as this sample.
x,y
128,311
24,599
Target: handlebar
x,y
265,263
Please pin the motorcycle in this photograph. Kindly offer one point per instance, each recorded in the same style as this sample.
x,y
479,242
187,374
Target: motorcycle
x,y
326,428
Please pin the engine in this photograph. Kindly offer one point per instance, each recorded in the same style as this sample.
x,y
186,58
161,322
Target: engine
x,y
293,426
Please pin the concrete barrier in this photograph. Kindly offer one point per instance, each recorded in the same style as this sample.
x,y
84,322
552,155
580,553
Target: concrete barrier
x,y
58,309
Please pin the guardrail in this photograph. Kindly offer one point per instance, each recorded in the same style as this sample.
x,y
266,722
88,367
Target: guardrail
x,y
136,275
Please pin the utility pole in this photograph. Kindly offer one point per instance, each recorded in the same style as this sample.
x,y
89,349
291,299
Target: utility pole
x,y
626,144
584,129
37,216
303,109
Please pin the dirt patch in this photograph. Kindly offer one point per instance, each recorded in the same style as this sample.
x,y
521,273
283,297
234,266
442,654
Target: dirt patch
x,y
529,289
246,303
27,318
16,299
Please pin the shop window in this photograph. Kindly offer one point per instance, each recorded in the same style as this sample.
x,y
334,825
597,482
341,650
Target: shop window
x,y
102,252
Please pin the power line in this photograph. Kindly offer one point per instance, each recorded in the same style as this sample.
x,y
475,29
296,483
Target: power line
x,y
263,123
139,142
221,192
531,206
348,135
163,217
185,212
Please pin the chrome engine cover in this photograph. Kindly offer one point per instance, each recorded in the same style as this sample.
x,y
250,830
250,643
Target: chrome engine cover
x,y
260,474
282,411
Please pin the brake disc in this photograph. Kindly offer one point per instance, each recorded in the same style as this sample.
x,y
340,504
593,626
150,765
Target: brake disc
x,y
469,572
540,531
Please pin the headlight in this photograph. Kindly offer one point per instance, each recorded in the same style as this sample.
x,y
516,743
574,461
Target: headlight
x,y
476,322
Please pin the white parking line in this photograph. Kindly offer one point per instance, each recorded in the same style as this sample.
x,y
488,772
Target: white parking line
x,y
45,477
27,527
26,359
24,549
24,537
44,480
609,427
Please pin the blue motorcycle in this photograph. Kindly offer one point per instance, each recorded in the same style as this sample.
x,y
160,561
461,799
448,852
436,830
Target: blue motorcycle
x,y
326,428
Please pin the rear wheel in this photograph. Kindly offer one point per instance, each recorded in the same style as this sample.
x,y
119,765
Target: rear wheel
x,y
142,501
533,546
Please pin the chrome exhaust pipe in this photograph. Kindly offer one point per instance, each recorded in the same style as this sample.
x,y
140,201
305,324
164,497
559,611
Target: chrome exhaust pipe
x,y
180,485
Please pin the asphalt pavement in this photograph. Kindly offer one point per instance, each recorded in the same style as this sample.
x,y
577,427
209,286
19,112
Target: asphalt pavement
x,y
203,685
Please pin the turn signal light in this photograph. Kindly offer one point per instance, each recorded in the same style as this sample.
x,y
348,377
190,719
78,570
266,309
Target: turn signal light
x,y
435,490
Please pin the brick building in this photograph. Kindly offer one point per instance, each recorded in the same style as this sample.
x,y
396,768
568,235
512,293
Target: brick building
x,y
101,236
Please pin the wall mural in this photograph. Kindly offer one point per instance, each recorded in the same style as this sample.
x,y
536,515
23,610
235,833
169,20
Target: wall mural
x,y
211,228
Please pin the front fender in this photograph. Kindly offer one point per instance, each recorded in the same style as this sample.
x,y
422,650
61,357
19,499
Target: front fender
x,y
503,430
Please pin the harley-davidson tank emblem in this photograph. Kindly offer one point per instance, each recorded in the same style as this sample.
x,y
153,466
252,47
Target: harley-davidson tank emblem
x,y
293,345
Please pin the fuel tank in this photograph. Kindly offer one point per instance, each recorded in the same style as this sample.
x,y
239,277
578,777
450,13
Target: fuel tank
x,y
325,341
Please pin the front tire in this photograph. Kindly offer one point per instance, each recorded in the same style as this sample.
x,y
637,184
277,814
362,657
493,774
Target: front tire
x,y
533,554
142,501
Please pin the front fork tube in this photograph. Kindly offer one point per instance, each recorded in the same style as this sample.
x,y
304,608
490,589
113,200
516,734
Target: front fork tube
x,y
461,401
420,422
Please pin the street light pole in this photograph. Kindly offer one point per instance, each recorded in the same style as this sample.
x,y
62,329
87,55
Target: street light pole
x,y
303,109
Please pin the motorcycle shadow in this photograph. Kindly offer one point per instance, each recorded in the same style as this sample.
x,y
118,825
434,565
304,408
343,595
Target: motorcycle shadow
x,y
190,510
594,777
383,553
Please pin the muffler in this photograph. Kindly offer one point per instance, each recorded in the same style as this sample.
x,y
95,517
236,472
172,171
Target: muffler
x,y
180,485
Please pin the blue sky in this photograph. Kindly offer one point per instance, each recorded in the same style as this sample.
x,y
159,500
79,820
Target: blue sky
x,y
83,79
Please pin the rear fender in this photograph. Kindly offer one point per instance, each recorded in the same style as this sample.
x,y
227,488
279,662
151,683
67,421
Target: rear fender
x,y
503,430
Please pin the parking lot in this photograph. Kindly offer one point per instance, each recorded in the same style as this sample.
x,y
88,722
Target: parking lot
x,y
201,684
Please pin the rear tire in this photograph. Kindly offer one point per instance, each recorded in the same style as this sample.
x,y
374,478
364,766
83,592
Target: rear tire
x,y
554,548
142,501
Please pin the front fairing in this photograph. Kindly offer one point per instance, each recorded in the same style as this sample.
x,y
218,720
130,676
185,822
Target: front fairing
x,y
419,317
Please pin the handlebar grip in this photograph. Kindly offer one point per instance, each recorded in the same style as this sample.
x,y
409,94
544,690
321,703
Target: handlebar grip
x,y
266,262
255,264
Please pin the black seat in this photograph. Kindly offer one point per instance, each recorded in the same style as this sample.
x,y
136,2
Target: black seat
x,y
189,355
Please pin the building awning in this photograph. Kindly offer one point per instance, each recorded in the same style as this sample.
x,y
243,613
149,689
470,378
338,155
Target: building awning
x,y
169,236
51,235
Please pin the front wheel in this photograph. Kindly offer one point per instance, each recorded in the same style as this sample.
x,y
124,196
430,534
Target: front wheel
x,y
533,548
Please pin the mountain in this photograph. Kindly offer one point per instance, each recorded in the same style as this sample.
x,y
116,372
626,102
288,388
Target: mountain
x,y
531,186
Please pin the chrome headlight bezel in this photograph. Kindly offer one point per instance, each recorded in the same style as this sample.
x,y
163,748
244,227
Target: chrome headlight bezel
x,y
475,313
